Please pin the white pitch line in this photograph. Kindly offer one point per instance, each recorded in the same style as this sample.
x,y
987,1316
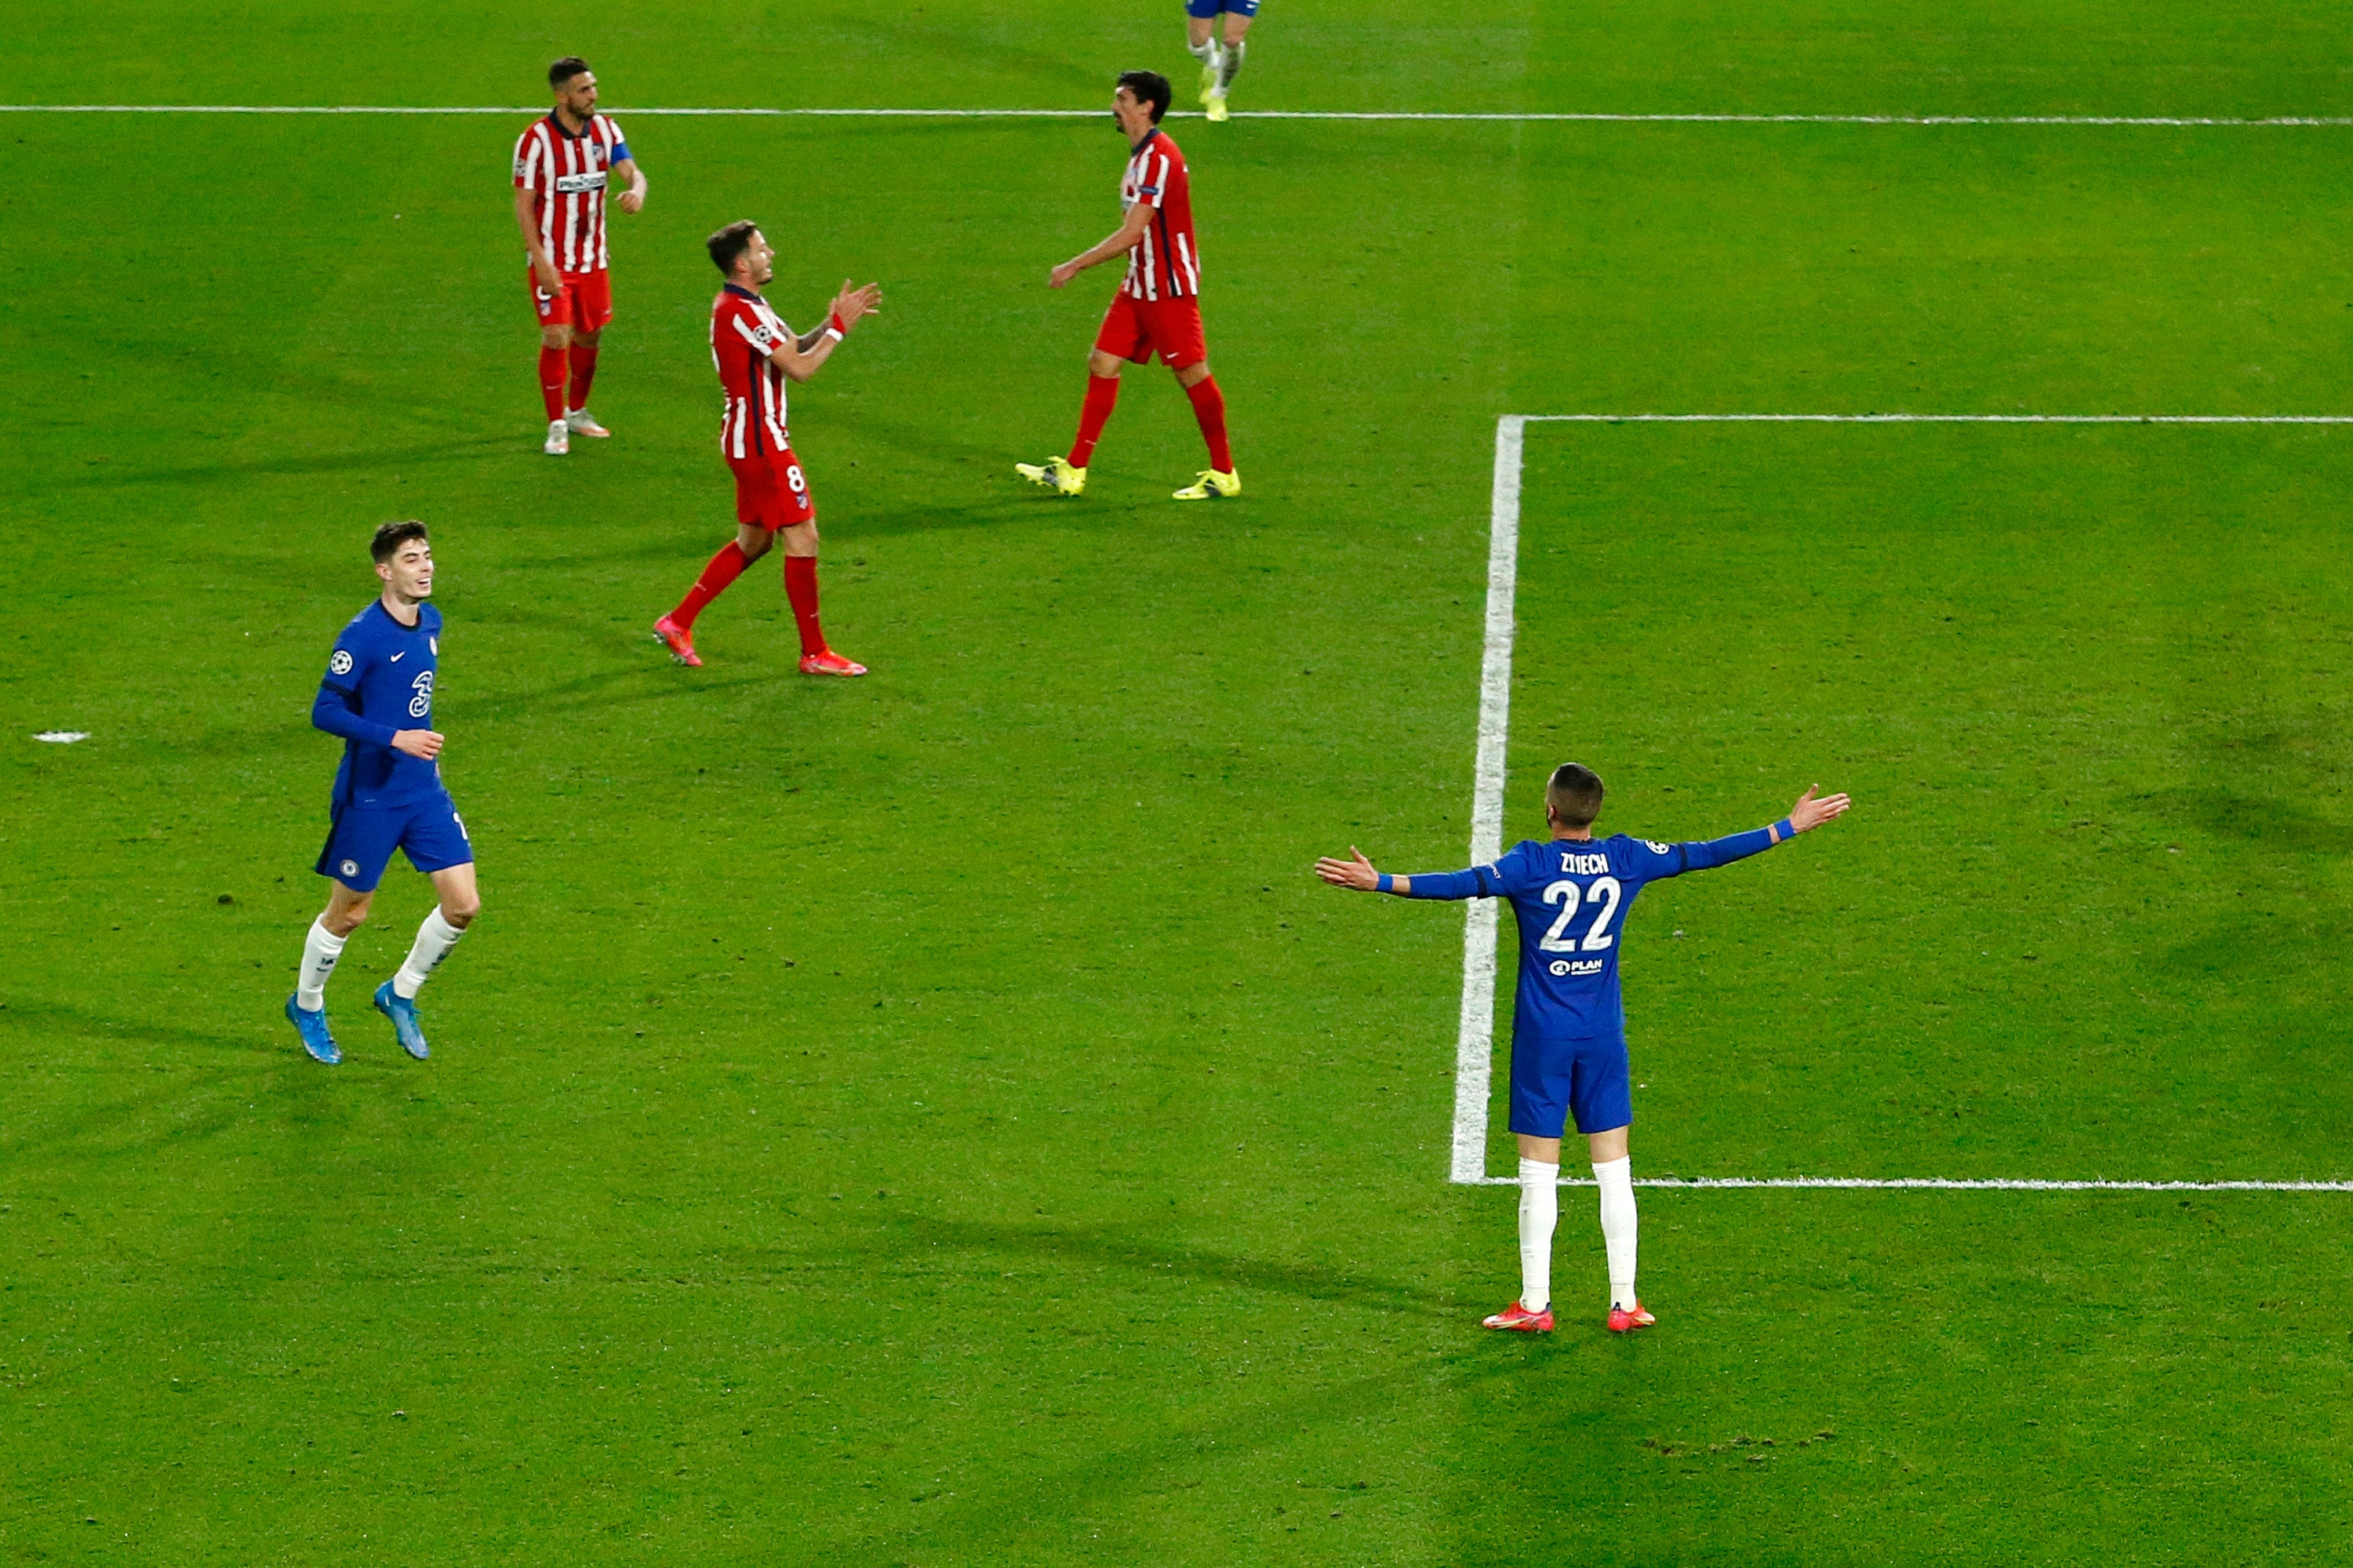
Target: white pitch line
x,y
1506,117
1475,1042
1948,1184
1936,418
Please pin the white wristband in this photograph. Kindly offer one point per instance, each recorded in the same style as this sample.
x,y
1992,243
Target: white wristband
x,y
833,333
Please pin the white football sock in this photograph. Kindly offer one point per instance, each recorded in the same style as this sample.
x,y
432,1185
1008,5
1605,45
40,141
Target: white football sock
x,y
1231,66
434,940
1205,51
1616,1180
321,949
1539,1212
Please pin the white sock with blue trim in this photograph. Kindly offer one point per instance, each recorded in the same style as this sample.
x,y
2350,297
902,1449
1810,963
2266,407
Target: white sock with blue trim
x,y
435,937
321,949
1539,1212
1616,1180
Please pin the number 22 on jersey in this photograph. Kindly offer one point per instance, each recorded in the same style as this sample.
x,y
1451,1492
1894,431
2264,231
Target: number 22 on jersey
x,y
1570,897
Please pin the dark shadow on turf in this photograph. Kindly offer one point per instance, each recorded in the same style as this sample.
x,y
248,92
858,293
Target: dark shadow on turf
x,y
1159,1259
2280,824
34,1016
336,462
1175,1457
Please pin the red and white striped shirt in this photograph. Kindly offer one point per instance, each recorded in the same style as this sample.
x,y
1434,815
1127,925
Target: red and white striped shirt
x,y
569,174
1167,263
743,332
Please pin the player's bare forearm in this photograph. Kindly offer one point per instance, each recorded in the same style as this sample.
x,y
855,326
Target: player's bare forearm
x,y
800,364
1130,235
633,198
527,220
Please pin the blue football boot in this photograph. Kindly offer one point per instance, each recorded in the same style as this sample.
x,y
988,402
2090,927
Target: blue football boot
x,y
402,1010
312,1028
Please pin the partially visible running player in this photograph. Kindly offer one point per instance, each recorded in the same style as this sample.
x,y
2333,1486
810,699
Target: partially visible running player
x,y
1569,1023
1221,60
755,354
562,166
1158,308
378,695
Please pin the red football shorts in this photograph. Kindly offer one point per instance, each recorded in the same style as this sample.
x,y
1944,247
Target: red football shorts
x,y
771,492
1139,329
586,302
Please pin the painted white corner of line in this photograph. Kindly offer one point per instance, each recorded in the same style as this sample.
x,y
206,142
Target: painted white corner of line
x,y
1475,1042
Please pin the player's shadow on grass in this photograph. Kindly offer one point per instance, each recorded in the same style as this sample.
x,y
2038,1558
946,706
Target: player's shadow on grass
x,y
2278,824
112,478
1161,1260
153,1113
22,1019
1222,1428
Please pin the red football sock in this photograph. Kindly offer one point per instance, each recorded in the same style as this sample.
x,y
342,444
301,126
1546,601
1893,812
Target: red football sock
x,y
551,381
800,586
584,373
724,569
1210,408
1103,391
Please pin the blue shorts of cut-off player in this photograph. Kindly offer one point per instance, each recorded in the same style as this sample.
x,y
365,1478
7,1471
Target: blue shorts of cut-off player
x,y
360,845
1553,1080
1208,9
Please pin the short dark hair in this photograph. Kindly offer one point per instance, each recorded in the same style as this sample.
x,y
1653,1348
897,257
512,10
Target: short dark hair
x,y
1574,795
726,244
391,536
564,69
1149,87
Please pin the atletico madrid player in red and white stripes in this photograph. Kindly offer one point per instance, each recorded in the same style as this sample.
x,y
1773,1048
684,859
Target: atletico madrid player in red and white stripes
x,y
1158,311
755,354
562,167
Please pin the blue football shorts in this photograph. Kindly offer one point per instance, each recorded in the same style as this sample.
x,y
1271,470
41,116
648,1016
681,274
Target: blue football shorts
x,y
1208,9
1553,1080
360,845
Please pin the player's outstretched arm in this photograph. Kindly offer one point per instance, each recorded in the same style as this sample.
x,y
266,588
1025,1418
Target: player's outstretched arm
x,y
1359,874
1808,814
1131,235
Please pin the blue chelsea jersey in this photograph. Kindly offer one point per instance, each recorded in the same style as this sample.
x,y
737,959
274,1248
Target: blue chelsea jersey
x,y
379,681
1571,898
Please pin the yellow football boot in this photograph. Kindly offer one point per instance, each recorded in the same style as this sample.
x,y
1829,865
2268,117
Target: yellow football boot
x,y
1213,482
1214,107
1055,473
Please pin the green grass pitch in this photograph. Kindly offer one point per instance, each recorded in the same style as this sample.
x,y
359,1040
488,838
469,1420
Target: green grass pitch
x,y
938,1119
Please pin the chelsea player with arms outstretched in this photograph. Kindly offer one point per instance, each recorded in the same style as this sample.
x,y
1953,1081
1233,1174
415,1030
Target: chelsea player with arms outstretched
x,y
1571,896
378,695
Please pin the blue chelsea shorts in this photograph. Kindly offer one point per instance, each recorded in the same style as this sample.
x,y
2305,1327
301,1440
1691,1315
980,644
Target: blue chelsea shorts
x,y
1206,9
360,845
1555,1079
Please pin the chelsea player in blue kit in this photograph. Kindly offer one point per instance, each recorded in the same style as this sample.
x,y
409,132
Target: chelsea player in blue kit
x,y
1571,896
378,695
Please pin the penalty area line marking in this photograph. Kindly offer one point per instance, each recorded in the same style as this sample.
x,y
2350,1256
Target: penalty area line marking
x,y
1505,116
1474,1044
